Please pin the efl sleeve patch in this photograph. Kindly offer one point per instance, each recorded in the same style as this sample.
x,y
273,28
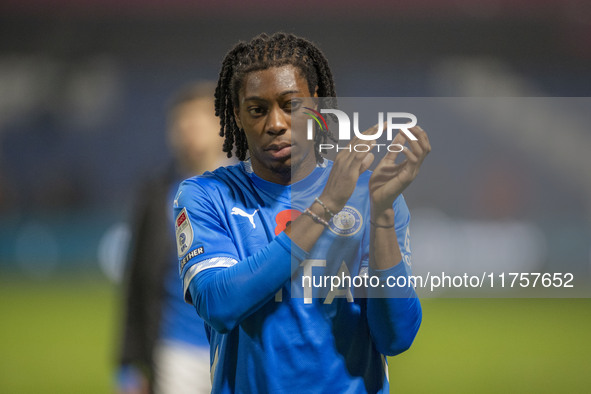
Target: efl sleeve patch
x,y
184,232
200,229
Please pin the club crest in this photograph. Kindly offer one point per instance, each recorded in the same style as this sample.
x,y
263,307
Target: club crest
x,y
347,222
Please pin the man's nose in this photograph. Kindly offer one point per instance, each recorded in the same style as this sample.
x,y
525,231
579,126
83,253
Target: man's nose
x,y
277,121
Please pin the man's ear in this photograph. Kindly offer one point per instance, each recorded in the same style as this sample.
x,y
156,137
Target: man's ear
x,y
237,118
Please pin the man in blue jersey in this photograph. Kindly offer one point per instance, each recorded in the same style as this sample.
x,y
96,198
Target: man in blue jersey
x,y
246,235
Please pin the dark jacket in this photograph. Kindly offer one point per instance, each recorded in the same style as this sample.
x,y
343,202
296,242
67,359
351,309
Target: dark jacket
x,y
148,259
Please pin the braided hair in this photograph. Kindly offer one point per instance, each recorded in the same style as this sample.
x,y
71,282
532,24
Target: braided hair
x,y
263,52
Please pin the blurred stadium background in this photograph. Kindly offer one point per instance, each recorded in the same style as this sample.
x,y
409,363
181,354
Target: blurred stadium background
x,y
82,95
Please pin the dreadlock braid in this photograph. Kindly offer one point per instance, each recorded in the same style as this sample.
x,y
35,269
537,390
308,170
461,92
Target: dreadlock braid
x,y
263,52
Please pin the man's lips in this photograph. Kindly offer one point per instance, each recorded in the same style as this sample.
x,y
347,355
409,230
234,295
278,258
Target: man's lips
x,y
278,147
279,151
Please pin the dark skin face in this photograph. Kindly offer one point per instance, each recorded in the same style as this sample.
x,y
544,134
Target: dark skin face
x,y
268,102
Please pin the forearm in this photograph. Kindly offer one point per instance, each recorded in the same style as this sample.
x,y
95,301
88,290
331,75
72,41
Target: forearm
x,y
224,297
394,313
305,231
384,253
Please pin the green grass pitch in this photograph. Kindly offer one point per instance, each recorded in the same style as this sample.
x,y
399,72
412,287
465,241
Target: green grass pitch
x,y
59,337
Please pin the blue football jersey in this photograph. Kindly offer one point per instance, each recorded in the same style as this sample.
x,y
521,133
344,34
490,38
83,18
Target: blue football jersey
x,y
293,336
179,322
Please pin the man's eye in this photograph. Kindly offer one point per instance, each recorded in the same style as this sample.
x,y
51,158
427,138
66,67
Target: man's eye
x,y
293,105
256,111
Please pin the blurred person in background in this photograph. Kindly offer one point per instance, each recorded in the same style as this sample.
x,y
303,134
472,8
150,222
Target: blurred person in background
x,y
164,348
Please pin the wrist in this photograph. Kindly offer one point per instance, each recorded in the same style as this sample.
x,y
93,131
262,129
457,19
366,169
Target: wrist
x,y
316,218
382,217
327,205
318,210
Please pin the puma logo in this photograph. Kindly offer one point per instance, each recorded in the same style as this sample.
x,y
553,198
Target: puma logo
x,y
240,212
176,200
